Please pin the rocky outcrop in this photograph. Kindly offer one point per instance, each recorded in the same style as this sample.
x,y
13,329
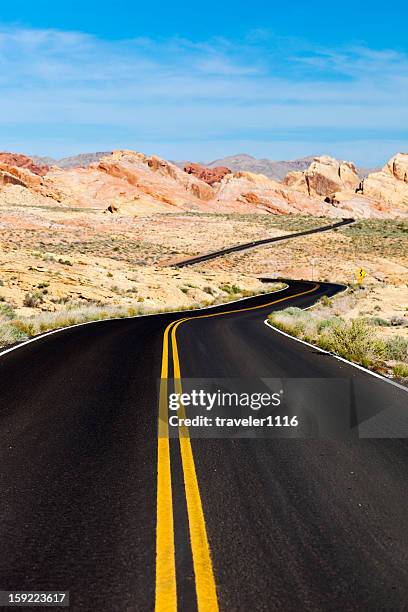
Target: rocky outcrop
x,y
19,176
133,167
22,161
390,185
24,177
208,175
324,177
263,194
129,183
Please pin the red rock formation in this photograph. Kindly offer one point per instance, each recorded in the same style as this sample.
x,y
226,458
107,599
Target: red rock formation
x,y
23,177
22,161
128,182
208,175
324,177
12,174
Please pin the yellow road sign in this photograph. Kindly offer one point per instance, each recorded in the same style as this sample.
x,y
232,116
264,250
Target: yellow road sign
x,y
361,273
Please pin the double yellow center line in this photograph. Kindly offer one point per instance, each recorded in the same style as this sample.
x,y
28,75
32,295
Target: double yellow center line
x,y
166,582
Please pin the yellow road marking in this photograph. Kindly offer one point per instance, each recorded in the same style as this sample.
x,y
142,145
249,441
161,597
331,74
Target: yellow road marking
x,y
166,589
166,586
225,312
203,570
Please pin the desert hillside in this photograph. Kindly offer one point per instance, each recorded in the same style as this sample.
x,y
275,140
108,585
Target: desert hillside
x,y
102,234
131,183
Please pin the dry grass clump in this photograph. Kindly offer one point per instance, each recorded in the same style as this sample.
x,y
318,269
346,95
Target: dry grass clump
x,y
353,340
401,371
13,330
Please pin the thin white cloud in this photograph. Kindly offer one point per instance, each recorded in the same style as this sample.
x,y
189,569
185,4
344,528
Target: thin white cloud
x,y
182,90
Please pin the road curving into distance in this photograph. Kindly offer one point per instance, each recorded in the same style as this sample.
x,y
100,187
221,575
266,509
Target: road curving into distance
x,y
94,502
256,243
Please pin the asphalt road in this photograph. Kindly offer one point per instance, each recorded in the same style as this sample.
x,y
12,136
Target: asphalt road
x,y
256,243
279,524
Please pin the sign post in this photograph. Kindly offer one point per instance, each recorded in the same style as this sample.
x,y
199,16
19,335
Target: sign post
x,y
361,273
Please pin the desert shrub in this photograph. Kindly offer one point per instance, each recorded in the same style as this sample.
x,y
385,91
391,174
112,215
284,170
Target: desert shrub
x,y
379,322
396,348
25,328
33,299
231,289
353,341
401,370
10,334
294,311
6,311
325,324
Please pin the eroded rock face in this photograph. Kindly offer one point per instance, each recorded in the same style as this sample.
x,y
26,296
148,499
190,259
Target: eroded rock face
x,y
208,175
129,183
22,161
130,165
263,194
19,176
324,177
390,185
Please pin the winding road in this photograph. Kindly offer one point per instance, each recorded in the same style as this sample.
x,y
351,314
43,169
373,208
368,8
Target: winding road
x,y
94,501
259,243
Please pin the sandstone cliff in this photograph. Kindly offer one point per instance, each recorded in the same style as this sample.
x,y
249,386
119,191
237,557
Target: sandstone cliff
x,y
132,183
390,185
22,161
324,177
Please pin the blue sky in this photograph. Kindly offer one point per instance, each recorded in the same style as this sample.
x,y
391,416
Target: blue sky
x,y
204,80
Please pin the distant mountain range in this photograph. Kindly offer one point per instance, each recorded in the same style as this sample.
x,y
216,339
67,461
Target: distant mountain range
x,y
276,170
76,161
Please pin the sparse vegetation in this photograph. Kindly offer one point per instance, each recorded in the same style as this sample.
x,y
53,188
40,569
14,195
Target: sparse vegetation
x,y
231,289
6,311
22,328
33,299
396,348
354,340
401,371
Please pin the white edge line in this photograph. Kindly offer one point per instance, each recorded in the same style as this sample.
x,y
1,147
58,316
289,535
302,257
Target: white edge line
x,y
355,365
153,314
